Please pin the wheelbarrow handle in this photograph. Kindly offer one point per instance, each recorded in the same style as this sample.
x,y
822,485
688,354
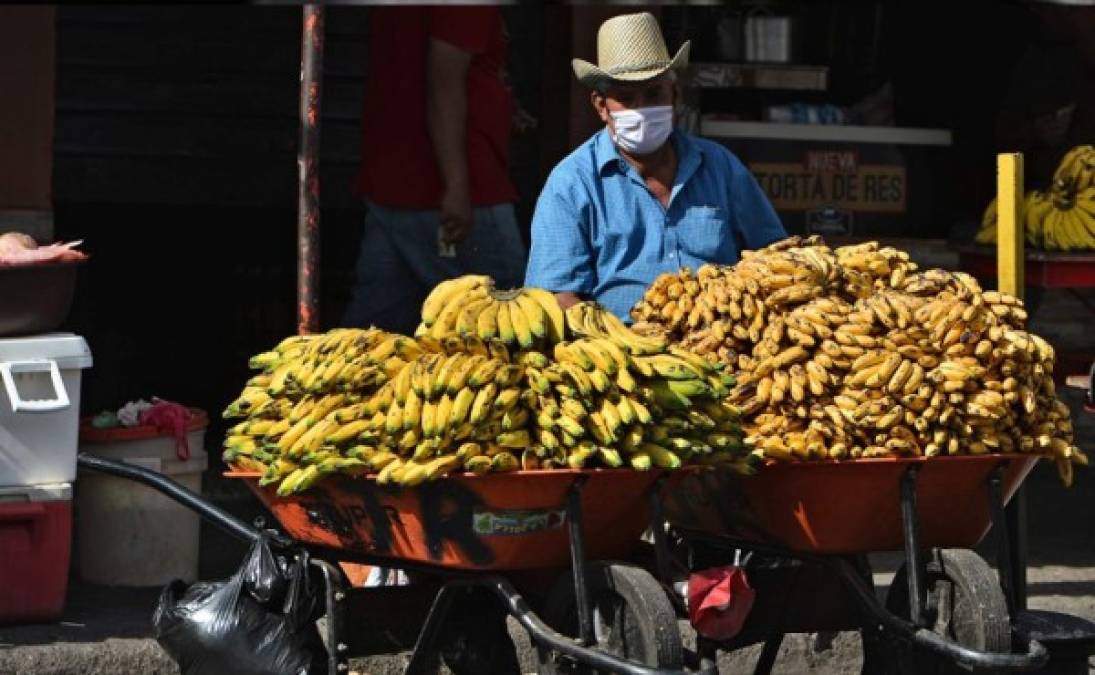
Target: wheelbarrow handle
x,y
542,634
169,488
1035,658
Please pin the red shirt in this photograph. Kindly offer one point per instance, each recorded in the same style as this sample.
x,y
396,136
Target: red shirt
x,y
398,164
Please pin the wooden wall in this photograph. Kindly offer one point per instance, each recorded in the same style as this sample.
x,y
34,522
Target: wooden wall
x,y
26,118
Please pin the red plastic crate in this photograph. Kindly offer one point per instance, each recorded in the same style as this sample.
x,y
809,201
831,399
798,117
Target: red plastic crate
x,y
35,541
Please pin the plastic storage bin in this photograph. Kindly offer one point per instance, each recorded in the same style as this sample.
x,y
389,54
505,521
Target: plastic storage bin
x,y
35,543
129,534
39,408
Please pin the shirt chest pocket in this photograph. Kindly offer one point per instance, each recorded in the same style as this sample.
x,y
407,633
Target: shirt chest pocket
x,y
704,233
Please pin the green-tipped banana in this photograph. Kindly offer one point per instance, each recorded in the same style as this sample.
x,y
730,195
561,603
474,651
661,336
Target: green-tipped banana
x,y
662,458
461,406
610,457
555,319
669,398
485,373
534,314
578,457
504,461
514,439
458,378
484,400
469,450
479,464
570,425
506,399
566,353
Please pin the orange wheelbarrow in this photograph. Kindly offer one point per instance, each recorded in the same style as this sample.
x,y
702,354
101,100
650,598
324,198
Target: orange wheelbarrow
x,y
466,543
804,531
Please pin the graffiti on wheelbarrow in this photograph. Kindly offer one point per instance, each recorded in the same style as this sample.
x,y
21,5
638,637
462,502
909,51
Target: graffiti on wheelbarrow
x,y
379,519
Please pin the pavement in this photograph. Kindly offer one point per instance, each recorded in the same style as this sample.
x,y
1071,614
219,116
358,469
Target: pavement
x,y
107,630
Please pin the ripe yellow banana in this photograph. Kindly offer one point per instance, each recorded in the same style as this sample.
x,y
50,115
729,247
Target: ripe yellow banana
x,y
534,313
521,327
555,319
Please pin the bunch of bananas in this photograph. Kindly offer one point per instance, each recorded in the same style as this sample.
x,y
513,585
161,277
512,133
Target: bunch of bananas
x,y
869,357
1062,218
305,384
721,312
610,390
1076,172
470,305
358,402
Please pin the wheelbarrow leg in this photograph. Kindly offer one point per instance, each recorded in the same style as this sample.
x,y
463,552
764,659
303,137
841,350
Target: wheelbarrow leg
x,y
1002,531
1017,536
914,556
768,654
334,594
424,659
578,562
662,558
475,638
774,641
460,606
708,651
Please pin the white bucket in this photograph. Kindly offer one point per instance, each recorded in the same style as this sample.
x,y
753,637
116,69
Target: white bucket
x,y
39,407
129,534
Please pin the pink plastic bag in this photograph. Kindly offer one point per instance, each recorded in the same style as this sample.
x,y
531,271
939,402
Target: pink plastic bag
x,y
170,418
719,600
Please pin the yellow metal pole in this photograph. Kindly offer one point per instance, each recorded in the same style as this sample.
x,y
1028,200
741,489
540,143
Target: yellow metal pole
x,y
1010,262
1009,223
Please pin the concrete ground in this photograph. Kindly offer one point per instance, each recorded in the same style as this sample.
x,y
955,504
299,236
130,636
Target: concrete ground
x,y
107,631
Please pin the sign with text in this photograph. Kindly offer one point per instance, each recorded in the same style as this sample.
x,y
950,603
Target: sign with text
x,y
833,179
838,188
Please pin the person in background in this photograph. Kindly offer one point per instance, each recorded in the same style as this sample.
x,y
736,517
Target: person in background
x,y
435,178
1049,104
435,160
640,198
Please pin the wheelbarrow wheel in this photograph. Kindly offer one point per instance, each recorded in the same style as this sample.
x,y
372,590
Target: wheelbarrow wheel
x,y
633,619
965,604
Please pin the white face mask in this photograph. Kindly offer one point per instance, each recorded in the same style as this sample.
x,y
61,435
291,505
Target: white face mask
x,y
643,130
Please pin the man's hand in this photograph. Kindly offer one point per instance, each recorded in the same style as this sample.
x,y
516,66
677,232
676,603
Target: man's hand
x,y
456,214
567,299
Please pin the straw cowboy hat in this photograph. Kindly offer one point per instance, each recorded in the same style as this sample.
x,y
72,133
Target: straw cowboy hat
x,y
630,48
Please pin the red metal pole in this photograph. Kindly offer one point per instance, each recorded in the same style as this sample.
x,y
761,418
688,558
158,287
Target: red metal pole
x,y
311,90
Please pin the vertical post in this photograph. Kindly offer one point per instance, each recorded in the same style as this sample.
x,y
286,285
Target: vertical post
x,y
311,91
1010,262
1009,223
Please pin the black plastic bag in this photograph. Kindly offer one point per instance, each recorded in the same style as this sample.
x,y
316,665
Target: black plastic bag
x,y
257,622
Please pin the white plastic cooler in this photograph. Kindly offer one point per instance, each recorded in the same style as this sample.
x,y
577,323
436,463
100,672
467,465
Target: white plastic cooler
x,y
40,407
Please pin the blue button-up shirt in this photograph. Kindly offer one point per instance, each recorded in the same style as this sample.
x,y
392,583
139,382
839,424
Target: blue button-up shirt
x,y
598,230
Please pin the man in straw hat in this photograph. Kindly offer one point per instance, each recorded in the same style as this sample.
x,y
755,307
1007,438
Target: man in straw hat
x,y
640,198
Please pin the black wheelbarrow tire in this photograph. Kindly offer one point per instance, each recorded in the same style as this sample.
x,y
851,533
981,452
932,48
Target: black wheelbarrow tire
x,y
634,618
969,608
